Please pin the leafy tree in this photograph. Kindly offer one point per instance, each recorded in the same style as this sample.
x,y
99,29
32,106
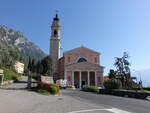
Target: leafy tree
x,y
123,70
39,68
29,65
8,55
112,74
47,65
122,64
33,66
44,66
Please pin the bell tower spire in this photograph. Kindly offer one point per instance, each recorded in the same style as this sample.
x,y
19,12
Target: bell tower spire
x,y
55,44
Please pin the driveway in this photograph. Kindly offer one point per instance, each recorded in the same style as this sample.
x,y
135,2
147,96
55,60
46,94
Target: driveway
x,y
16,99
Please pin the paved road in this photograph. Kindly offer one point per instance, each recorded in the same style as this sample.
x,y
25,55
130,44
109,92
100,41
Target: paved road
x,y
16,99
107,101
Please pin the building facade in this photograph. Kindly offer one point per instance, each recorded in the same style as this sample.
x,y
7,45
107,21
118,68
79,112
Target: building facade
x,y
79,66
1,71
19,67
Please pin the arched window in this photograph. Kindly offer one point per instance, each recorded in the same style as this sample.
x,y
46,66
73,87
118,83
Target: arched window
x,y
82,60
55,32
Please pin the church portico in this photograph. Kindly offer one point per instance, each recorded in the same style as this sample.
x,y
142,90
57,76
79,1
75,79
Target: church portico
x,y
79,78
84,73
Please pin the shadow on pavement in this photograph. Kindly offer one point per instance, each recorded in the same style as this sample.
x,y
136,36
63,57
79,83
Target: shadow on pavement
x,y
10,88
19,82
19,85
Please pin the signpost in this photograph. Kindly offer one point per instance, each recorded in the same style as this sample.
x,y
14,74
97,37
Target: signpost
x,y
47,79
2,76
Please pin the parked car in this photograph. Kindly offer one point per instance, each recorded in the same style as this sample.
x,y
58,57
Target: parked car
x,y
62,83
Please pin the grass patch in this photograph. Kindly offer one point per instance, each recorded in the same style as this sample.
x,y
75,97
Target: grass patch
x,y
9,74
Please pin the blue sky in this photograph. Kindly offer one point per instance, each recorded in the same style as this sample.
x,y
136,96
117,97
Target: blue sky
x,y
107,26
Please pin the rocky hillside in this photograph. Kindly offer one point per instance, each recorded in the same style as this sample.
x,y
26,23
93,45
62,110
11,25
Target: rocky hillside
x,y
11,40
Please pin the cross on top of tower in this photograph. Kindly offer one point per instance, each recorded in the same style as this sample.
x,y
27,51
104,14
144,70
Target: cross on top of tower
x,y
56,17
56,11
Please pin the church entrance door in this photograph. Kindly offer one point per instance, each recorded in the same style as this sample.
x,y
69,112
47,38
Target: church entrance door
x,y
76,79
84,78
83,83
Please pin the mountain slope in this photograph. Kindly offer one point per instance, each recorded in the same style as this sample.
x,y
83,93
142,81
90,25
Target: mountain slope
x,y
16,41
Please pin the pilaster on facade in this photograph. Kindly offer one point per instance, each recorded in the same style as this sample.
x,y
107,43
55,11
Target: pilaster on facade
x,y
88,74
95,78
80,79
65,75
72,78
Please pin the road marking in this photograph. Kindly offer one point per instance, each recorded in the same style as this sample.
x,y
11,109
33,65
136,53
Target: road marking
x,y
114,110
148,98
87,110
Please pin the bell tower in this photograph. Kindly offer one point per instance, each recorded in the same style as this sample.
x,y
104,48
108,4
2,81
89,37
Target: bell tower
x,y
55,44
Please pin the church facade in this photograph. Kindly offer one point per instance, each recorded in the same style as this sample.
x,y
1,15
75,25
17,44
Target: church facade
x,y
79,66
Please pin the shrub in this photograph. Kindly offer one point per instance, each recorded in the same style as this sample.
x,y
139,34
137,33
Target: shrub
x,y
15,78
10,74
51,88
57,88
89,88
43,85
112,84
43,91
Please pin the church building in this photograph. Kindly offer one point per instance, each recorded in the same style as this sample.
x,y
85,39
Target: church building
x,y
79,66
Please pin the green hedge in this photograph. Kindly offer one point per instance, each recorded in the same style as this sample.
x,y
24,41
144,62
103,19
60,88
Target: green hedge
x,y
147,88
112,84
89,88
125,93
